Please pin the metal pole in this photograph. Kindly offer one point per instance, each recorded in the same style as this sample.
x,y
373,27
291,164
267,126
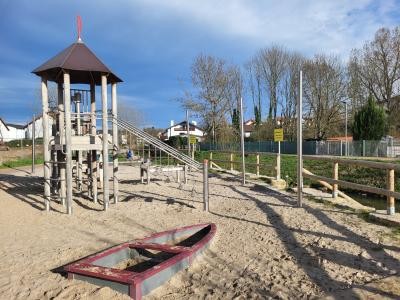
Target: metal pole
x,y
205,185
300,145
188,131
347,143
242,141
33,144
106,192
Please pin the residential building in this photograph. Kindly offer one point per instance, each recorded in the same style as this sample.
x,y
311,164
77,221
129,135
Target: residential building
x,y
180,129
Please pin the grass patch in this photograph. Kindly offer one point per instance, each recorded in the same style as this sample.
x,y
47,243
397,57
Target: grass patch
x,y
21,162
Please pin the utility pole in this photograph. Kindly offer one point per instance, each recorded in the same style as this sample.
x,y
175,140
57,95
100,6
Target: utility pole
x,y
242,141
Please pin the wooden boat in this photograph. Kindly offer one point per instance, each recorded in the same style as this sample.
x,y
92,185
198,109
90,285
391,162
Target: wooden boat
x,y
137,267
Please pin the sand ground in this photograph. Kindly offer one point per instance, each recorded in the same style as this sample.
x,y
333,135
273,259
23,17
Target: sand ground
x,y
265,246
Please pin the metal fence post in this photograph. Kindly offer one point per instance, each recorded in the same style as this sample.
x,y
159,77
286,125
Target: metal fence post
x,y
363,148
205,185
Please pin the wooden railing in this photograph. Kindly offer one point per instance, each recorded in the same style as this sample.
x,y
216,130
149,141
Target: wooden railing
x,y
232,163
389,192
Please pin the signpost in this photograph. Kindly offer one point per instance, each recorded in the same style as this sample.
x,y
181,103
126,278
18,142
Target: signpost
x,y
278,137
193,139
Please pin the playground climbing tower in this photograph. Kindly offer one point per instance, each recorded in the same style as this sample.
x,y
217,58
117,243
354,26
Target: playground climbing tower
x,y
73,146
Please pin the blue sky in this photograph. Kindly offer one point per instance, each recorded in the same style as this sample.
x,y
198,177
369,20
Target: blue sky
x,y
151,44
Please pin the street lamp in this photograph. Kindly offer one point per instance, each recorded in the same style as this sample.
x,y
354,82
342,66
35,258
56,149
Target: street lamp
x,y
346,152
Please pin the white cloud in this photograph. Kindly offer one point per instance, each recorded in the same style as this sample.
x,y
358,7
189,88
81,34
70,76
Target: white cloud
x,y
310,26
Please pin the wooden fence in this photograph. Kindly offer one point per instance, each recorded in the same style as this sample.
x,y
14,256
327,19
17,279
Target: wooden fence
x,y
276,166
389,192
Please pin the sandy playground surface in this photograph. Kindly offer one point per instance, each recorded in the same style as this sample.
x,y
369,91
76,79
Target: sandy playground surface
x,y
265,247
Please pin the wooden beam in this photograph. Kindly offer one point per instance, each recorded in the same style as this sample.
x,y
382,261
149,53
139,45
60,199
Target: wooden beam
x,y
95,166
356,186
68,143
106,192
115,139
61,133
46,141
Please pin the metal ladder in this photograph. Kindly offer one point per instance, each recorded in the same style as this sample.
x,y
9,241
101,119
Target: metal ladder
x,y
157,143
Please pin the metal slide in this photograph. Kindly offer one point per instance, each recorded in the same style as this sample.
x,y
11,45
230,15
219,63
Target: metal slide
x,y
187,160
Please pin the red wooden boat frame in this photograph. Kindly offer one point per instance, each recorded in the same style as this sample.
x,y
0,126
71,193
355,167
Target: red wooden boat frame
x,y
97,268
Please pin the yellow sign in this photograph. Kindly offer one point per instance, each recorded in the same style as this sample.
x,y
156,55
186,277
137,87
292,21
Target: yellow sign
x,y
278,135
193,140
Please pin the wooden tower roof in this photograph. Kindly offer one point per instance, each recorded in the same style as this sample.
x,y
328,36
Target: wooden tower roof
x,y
82,64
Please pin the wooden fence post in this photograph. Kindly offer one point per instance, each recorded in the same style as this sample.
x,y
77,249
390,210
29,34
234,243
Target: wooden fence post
x,y
390,187
231,161
211,160
258,164
336,177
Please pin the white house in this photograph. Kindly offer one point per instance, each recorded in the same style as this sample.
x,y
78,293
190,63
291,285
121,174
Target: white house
x,y
248,127
180,129
9,132
38,127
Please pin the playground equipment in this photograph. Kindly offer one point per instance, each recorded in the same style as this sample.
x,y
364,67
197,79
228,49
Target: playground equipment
x,y
137,267
74,144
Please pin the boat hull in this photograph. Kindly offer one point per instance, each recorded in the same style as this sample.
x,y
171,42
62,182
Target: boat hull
x,y
166,254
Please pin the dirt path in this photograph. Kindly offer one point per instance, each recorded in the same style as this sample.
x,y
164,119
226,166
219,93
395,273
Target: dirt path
x,y
265,246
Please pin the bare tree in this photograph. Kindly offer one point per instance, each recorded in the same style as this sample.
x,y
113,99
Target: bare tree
x,y
129,113
234,87
377,65
290,93
271,62
375,70
356,90
209,101
255,87
324,89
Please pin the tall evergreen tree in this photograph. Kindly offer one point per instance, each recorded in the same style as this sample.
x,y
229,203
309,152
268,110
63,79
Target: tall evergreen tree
x,y
370,122
257,115
236,120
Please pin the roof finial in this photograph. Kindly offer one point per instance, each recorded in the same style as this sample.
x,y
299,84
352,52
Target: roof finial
x,y
79,27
